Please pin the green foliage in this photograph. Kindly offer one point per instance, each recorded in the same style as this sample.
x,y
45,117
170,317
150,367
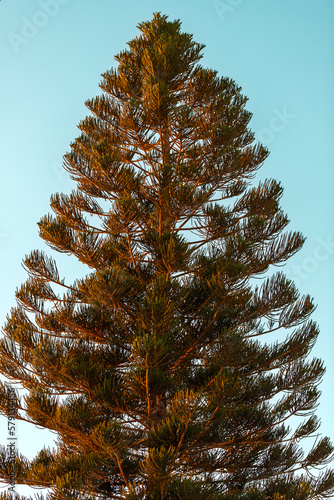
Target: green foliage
x,y
165,373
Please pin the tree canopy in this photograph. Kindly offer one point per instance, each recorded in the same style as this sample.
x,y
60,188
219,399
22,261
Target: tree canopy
x,y
171,369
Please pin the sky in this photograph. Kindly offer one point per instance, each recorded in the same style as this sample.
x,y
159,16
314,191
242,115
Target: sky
x,y
52,54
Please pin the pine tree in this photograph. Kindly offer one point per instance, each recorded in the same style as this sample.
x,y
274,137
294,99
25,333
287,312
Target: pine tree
x,y
169,371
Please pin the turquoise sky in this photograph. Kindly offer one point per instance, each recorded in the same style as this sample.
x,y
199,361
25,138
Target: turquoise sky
x,y
52,53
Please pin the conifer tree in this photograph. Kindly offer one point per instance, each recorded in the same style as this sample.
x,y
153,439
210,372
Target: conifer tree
x,y
170,371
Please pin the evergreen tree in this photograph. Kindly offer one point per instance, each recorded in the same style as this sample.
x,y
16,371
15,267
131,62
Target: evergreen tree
x,y
160,371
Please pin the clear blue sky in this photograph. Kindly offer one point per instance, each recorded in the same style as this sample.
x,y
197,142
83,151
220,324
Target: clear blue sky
x,y
52,53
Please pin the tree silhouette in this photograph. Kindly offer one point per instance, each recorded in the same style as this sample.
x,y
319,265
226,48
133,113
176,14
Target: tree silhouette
x,y
160,371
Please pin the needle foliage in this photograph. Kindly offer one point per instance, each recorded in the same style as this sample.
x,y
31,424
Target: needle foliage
x,y
170,371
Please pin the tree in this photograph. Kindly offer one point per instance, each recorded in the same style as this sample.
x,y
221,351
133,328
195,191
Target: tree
x,y
169,370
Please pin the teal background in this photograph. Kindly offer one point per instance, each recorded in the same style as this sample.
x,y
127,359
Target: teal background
x,y
52,53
